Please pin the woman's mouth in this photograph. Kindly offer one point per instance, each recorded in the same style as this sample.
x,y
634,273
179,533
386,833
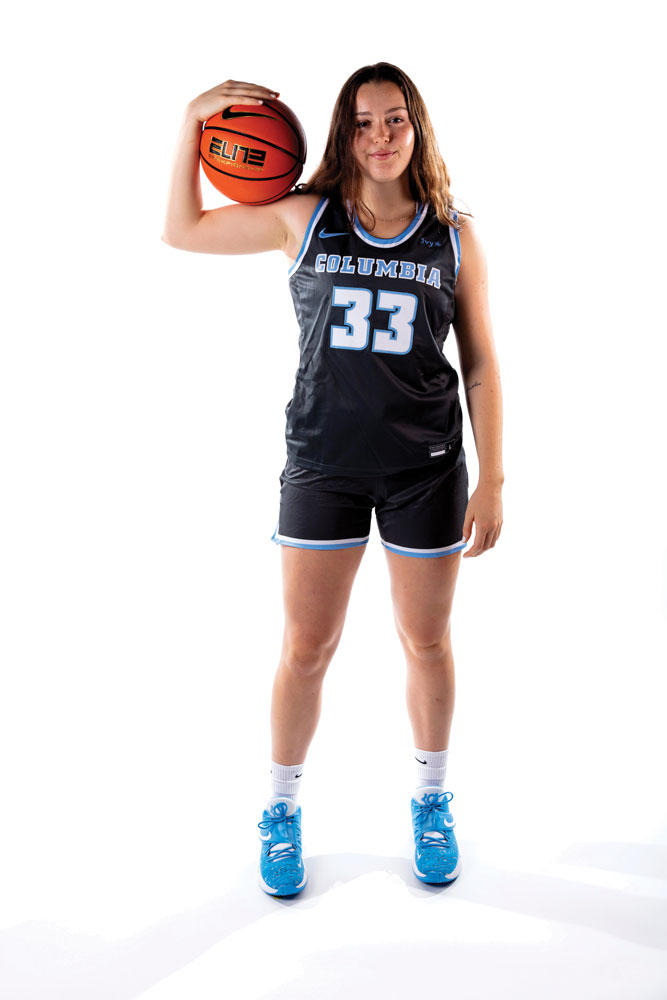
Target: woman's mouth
x,y
382,156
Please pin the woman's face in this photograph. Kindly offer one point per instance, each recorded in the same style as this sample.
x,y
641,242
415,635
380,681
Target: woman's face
x,y
382,126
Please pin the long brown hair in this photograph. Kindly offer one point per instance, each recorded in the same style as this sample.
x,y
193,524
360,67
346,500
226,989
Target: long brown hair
x,y
338,173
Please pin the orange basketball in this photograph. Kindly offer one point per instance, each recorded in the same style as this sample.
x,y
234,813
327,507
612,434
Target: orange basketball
x,y
253,153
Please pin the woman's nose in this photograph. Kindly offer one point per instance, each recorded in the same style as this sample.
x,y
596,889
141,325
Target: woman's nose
x,y
380,132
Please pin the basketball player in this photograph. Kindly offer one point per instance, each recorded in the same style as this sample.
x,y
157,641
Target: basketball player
x,y
380,265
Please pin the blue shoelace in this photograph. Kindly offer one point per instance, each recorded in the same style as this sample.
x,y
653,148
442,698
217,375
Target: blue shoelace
x,y
282,831
430,816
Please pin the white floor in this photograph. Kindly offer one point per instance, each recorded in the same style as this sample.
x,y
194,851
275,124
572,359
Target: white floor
x,y
580,917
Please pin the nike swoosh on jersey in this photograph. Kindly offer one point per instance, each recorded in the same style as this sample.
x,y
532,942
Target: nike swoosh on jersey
x,y
242,114
324,234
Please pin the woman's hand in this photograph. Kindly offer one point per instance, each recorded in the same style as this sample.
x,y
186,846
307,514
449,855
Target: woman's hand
x,y
224,95
485,508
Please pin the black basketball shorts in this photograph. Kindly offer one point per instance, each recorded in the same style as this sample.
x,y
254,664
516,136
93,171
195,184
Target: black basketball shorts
x,y
419,512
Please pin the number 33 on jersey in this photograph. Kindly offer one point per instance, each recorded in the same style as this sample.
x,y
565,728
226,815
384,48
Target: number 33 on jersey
x,y
358,303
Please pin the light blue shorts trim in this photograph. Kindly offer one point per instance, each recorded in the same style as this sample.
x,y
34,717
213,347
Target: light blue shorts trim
x,y
305,543
425,553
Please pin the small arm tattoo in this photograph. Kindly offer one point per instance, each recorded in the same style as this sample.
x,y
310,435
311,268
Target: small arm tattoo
x,y
473,386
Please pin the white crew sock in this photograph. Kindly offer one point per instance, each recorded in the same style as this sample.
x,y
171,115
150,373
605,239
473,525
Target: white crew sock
x,y
286,779
431,767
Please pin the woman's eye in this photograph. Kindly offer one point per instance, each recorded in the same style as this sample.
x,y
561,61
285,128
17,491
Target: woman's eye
x,y
359,124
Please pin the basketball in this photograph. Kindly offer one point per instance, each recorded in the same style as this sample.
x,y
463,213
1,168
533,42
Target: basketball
x,y
253,153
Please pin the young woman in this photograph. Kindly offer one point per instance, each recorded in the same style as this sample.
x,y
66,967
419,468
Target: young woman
x,y
380,265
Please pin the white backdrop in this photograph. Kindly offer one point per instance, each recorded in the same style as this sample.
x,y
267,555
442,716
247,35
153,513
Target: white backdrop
x,y
142,400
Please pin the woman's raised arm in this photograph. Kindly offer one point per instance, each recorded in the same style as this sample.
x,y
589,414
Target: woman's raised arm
x,y
232,229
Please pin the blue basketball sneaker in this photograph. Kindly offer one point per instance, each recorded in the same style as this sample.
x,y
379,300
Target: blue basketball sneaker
x,y
436,851
281,868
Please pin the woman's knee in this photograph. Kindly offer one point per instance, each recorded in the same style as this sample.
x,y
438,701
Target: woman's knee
x,y
308,651
425,641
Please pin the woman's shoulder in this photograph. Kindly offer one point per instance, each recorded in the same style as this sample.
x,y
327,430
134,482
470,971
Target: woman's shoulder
x,y
296,211
297,207
473,267
468,231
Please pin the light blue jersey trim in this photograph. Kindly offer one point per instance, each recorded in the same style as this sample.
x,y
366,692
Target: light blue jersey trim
x,y
394,240
402,550
321,205
456,243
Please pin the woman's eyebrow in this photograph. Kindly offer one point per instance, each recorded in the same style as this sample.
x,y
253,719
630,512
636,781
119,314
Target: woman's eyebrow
x,y
400,108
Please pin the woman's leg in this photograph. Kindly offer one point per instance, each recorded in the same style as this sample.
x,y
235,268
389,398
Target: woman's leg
x,y
422,594
316,589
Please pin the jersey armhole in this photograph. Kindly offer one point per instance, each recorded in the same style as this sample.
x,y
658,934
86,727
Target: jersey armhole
x,y
310,229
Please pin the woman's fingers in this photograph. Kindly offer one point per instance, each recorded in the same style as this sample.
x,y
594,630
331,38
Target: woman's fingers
x,y
225,94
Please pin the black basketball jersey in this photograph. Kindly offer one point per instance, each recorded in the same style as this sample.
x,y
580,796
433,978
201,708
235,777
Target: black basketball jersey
x,y
374,393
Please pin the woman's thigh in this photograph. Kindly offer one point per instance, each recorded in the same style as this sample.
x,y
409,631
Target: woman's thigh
x,y
316,590
422,592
